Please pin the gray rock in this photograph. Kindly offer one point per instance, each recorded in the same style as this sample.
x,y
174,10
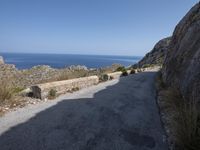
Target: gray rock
x,y
181,67
157,55
78,67
1,60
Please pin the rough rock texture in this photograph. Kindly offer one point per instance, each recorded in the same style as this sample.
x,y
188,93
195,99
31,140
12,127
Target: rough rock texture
x,y
42,90
157,55
1,60
182,64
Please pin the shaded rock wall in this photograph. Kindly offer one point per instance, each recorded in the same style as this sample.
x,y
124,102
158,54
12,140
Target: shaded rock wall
x,y
181,67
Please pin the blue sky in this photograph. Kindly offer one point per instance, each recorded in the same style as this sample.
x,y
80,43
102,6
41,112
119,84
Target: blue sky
x,y
106,27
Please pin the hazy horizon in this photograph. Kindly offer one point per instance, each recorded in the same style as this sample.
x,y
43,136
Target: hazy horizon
x,y
18,52
106,27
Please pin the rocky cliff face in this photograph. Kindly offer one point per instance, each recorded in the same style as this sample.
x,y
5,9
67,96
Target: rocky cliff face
x,y
181,67
157,55
1,60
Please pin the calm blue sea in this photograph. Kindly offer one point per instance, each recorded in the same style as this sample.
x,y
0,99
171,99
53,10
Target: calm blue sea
x,y
25,61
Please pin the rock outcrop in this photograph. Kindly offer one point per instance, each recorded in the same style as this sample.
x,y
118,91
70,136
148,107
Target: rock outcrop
x,y
181,67
157,55
1,60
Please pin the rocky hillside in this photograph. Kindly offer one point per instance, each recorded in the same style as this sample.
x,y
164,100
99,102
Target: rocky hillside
x,y
182,65
43,73
1,60
157,55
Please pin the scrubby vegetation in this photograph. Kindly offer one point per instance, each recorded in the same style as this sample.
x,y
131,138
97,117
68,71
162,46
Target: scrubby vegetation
x,y
8,90
9,95
121,68
52,94
182,117
132,71
103,78
5,91
124,73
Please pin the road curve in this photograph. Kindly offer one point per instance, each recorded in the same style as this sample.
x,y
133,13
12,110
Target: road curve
x,y
116,115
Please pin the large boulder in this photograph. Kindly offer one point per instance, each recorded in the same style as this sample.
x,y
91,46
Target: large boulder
x,y
181,67
157,55
1,60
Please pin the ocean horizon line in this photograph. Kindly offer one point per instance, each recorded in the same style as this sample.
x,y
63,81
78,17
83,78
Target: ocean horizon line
x,y
3,52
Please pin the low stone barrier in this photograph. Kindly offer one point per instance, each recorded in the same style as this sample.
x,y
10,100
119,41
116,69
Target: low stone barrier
x,y
42,90
129,71
115,75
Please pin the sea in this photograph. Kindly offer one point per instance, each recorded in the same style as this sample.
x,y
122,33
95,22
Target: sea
x,y
27,60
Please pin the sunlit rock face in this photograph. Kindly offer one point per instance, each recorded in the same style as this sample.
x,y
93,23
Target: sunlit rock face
x,y
181,67
1,60
157,55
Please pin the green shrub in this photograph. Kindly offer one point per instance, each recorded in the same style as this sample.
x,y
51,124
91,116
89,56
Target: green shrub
x,y
124,73
7,90
5,93
52,94
104,78
183,118
122,69
132,71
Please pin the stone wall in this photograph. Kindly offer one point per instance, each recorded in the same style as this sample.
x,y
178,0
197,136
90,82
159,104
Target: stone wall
x,y
42,74
42,90
114,75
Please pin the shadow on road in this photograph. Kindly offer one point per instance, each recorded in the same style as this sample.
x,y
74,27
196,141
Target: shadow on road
x,y
122,116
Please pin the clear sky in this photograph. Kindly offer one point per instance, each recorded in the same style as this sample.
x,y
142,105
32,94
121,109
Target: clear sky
x,y
107,27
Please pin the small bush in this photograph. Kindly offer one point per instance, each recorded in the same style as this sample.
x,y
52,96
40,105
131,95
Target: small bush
x,y
124,73
75,89
132,71
52,94
104,78
146,66
183,119
7,90
5,93
122,69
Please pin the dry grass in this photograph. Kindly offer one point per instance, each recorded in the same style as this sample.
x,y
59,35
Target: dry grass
x,y
8,96
5,91
182,117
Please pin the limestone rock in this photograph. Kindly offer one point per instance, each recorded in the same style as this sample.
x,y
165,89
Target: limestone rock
x,y
157,55
78,67
181,67
1,60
